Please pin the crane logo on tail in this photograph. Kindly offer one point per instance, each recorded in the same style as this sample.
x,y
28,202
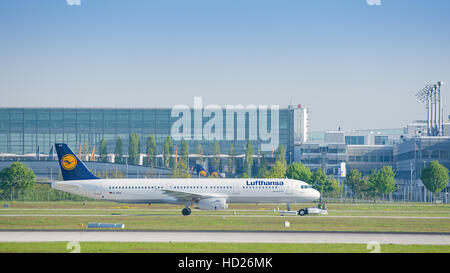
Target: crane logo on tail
x,y
68,162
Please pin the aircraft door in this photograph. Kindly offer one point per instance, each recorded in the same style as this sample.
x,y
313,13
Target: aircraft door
x,y
236,188
99,192
288,188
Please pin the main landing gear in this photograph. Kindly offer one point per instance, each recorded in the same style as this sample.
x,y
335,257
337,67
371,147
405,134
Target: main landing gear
x,y
186,211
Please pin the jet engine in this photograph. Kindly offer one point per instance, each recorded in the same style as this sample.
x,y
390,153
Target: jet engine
x,y
212,204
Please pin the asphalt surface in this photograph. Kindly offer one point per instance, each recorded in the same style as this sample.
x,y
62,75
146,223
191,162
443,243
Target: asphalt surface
x,y
224,237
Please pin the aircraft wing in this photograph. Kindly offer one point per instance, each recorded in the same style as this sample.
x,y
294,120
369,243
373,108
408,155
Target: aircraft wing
x,y
189,196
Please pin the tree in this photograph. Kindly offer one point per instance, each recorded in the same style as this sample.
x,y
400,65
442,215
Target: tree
x,y
381,182
181,170
263,172
333,187
110,174
319,181
103,151
179,173
278,170
299,171
387,180
167,152
435,177
116,174
264,162
184,154
355,182
248,160
150,149
263,168
231,159
85,149
118,151
133,149
280,154
18,177
373,187
216,155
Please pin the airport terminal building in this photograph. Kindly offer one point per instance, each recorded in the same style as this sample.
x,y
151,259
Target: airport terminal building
x,y
23,130
407,151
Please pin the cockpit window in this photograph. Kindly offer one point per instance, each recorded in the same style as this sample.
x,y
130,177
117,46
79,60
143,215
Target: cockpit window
x,y
305,186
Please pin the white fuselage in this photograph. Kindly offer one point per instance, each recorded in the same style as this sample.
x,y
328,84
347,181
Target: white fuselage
x,y
242,190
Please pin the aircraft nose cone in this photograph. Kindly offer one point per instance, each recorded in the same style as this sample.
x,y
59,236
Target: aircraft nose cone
x,y
316,194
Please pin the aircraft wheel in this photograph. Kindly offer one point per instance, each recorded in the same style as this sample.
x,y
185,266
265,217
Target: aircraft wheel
x,y
186,211
301,212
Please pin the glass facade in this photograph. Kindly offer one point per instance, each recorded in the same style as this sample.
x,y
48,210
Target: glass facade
x,y
22,130
354,140
381,140
417,153
328,157
366,158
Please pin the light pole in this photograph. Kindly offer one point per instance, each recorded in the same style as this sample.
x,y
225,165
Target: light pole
x,y
431,95
435,131
424,95
439,84
411,182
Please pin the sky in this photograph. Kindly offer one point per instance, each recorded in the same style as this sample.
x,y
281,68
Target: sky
x,y
355,65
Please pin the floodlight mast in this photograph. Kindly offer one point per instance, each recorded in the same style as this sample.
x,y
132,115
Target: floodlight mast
x,y
433,108
428,115
427,94
431,95
441,129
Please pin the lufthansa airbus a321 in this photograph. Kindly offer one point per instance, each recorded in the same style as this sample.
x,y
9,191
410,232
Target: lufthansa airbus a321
x,y
205,194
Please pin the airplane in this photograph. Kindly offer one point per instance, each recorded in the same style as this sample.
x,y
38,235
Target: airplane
x,y
214,172
204,194
200,170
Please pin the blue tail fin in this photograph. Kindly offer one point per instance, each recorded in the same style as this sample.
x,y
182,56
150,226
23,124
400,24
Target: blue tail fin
x,y
213,171
71,166
200,170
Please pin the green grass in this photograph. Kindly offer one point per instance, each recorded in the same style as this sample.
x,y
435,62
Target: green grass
x,y
168,217
231,223
333,207
106,247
